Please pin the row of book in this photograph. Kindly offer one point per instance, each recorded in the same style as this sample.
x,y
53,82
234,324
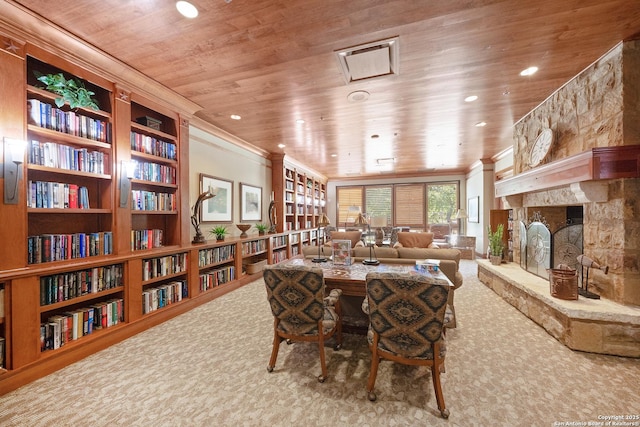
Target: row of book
x,y
254,246
217,277
58,247
61,329
215,255
57,195
278,256
45,115
151,145
148,171
152,201
73,284
146,239
279,241
162,296
163,266
60,156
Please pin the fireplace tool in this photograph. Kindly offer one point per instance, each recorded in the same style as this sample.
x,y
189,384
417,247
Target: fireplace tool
x,y
588,263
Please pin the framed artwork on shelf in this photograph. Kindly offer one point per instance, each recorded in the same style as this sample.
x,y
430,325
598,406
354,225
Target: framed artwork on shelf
x,y
250,203
220,207
473,209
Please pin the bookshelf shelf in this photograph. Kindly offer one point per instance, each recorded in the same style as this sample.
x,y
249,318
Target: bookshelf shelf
x,y
81,299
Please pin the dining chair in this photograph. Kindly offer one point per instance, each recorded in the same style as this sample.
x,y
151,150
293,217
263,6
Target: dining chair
x,y
301,311
406,324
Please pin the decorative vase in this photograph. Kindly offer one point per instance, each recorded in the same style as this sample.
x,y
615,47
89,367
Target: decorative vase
x,y
243,228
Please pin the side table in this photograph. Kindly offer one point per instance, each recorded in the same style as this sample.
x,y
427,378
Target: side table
x,y
467,246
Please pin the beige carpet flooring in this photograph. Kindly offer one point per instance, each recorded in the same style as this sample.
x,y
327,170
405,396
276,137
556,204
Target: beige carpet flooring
x,y
208,368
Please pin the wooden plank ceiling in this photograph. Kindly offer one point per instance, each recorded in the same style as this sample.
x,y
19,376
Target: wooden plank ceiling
x,y
273,62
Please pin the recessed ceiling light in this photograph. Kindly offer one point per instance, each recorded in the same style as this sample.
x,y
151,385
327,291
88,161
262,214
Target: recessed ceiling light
x,y
187,9
481,124
358,96
334,155
281,145
300,121
529,71
470,98
235,117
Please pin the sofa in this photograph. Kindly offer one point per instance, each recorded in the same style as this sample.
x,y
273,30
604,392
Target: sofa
x,y
449,261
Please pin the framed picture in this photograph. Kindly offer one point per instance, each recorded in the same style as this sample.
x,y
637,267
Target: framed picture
x,y
250,203
474,214
220,207
341,252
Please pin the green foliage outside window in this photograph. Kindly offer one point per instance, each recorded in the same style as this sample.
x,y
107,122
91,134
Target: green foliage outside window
x,y
441,203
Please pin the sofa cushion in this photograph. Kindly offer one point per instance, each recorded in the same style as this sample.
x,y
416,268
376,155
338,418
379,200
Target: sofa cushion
x,y
354,236
363,252
424,253
415,240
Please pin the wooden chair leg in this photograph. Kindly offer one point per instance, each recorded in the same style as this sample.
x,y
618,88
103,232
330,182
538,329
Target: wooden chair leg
x,y
437,386
373,373
339,327
276,348
323,363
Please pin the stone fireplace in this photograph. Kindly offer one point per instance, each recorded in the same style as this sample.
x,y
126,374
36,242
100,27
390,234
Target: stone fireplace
x,y
593,166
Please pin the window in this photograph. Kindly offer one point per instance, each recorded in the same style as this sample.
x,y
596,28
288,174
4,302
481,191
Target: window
x,y
410,205
415,205
378,201
349,204
442,203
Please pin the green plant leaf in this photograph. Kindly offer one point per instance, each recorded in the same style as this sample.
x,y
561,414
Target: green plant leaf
x,y
71,91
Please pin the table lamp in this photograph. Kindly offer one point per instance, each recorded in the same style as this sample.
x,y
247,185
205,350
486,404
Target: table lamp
x,y
360,221
323,221
461,215
377,222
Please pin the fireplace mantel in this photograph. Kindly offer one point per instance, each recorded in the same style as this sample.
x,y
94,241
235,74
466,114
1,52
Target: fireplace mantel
x,y
595,164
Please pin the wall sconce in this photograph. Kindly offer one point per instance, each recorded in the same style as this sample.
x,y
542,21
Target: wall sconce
x,y
13,158
195,218
126,175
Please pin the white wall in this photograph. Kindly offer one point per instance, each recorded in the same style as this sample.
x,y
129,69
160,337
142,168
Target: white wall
x,y
214,156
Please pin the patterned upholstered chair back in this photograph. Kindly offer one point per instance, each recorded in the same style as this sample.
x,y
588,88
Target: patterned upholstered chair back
x,y
296,295
407,311
301,311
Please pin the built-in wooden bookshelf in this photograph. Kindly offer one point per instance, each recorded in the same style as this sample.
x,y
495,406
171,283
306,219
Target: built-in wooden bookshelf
x,y
69,156
300,197
59,244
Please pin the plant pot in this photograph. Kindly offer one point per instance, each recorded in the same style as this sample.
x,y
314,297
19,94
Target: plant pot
x,y
495,259
261,233
220,238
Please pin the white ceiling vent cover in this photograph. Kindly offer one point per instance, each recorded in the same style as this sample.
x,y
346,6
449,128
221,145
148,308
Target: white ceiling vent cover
x,y
370,60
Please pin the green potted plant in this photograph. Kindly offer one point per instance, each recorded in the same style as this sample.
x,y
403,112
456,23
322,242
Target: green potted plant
x,y
262,228
220,231
72,91
496,245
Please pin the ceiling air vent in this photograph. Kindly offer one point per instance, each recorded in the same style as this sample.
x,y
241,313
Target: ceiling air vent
x,y
369,60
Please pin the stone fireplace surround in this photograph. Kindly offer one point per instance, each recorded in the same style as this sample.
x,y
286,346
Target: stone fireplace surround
x,y
595,163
